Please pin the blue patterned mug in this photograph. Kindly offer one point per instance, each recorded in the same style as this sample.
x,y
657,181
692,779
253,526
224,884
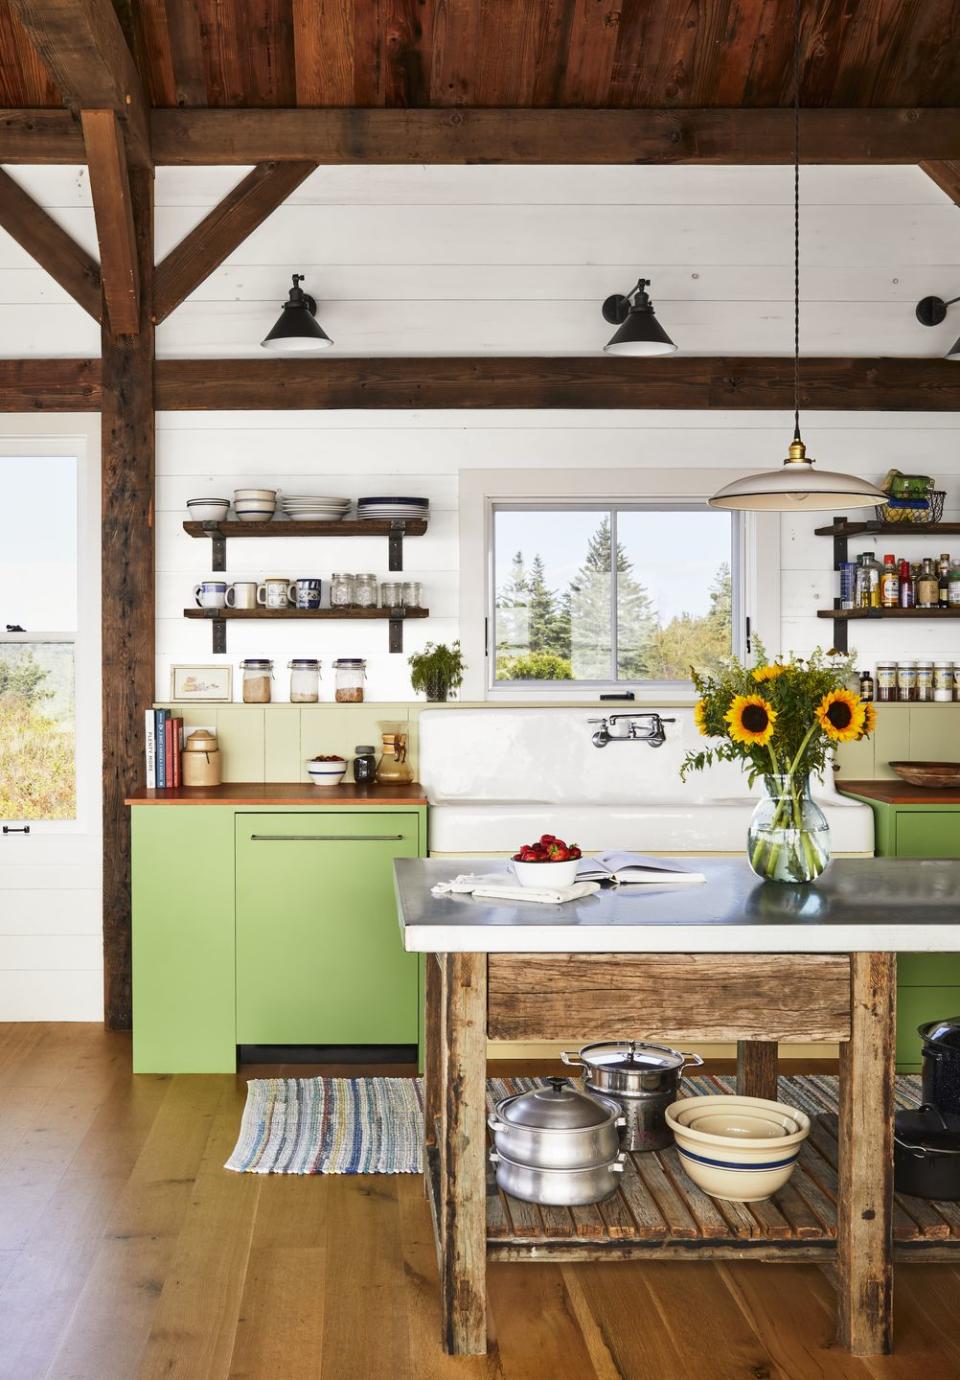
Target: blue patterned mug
x,y
211,594
308,593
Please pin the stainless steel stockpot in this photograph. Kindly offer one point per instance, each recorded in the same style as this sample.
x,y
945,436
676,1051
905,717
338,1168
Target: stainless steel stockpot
x,y
558,1187
557,1127
642,1078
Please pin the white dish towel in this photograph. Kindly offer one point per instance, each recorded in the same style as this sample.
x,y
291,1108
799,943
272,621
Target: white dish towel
x,y
497,887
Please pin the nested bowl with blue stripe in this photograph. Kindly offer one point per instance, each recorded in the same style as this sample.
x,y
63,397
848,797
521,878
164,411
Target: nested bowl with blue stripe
x,y
742,1149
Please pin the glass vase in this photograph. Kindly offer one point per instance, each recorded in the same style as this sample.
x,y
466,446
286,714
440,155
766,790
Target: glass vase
x,y
789,837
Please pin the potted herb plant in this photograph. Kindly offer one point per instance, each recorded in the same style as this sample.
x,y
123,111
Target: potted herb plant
x,y
437,670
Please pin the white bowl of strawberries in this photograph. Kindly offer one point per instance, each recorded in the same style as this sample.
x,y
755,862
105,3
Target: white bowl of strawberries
x,y
549,862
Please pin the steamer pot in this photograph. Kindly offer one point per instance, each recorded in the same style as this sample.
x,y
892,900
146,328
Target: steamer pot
x,y
557,1128
644,1079
558,1187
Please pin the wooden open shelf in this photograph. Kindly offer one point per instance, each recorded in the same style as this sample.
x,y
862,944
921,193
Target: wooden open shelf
x,y
658,1213
394,529
846,614
840,528
218,618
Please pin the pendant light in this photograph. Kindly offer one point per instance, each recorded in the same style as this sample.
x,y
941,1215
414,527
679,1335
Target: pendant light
x,y
297,327
640,332
931,311
798,485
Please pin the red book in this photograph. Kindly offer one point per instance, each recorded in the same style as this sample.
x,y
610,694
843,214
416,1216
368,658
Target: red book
x,y
177,749
168,750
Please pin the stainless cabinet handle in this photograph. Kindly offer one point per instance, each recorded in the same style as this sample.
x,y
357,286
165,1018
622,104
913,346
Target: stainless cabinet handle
x,y
326,838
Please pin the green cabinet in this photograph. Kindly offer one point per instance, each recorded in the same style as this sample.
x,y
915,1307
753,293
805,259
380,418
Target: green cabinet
x,y
269,926
319,958
928,985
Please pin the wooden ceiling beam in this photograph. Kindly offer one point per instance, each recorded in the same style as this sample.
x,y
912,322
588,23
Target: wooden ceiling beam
x,y
49,385
52,248
40,136
946,174
83,45
527,136
897,385
112,208
223,231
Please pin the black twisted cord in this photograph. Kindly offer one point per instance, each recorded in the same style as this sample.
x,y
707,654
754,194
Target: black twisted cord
x,y
796,220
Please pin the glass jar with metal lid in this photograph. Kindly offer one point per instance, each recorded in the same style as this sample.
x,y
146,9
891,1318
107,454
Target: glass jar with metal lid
x,y
943,682
341,591
304,680
365,591
257,677
350,674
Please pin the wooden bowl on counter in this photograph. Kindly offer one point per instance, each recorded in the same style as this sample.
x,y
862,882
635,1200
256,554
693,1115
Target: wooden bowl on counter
x,y
933,775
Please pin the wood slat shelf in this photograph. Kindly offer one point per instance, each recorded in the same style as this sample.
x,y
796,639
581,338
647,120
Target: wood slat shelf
x,y
845,615
839,528
394,529
218,619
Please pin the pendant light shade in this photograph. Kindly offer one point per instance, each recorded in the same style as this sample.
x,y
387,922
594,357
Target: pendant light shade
x,y
931,311
798,486
297,328
640,332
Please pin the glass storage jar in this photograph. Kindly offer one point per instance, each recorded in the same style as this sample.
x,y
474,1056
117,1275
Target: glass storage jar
x,y
906,680
886,681
365,591
943,682
257,675
304,680
391,594
351,672
924,681
412,594
341,591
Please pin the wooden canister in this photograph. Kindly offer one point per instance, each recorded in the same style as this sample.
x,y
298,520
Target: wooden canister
x,y
201,759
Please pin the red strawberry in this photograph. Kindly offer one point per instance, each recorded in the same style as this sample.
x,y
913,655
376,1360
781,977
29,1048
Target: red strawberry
x,y
547,839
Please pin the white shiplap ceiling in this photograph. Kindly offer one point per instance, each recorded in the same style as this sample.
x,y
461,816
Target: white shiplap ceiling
x,y
510,260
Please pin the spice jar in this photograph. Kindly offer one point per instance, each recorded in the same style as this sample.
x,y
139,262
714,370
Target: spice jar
x,y
351,672
943,682
365,764
341,591
886,681
391,594
906,680
257,675
201,759
924,681
412,594
304,680
365,591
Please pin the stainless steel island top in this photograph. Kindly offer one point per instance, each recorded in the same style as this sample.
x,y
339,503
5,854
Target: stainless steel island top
x,y
858,906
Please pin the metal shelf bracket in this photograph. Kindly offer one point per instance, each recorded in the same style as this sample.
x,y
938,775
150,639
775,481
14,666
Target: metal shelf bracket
x,y
218,543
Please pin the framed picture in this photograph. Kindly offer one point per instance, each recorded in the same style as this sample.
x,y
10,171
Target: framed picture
x,y
201,683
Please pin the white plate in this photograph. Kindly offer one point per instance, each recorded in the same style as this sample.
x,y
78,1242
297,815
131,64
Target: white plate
x,y
315,517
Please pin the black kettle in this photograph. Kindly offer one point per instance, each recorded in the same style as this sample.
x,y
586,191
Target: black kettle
x,y
941,1064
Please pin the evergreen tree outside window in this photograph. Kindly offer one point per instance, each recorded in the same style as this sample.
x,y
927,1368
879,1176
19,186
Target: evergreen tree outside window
x,y
611,594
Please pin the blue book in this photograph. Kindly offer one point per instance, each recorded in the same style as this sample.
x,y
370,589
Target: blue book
x,y
161,747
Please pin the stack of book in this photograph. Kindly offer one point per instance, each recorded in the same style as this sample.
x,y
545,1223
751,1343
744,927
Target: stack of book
x,y
163,745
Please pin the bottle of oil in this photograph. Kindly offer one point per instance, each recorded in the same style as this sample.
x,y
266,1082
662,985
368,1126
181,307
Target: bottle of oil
x,y
928,586
868,581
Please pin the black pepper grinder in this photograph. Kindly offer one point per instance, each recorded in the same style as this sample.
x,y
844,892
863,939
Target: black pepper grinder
x,y
365,765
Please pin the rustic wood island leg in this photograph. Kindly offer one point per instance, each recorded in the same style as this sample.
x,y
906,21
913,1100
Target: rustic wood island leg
x,y
757,1068
432,1072
864,1208
463,1228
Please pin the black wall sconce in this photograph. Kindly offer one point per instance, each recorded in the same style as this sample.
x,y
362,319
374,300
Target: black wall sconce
x,y
640,332
297,327
931,311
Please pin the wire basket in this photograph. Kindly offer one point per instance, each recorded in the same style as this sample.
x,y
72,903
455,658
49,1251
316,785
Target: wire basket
x,y
918,517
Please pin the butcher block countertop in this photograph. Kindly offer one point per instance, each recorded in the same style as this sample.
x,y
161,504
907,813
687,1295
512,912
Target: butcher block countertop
x,y
900,793
283,793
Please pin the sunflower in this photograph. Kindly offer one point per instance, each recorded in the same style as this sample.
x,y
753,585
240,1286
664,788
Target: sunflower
x,y
751,720
763,673
869,719
700,717
841,715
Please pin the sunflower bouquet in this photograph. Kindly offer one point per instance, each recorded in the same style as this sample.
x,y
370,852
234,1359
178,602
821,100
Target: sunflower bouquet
x,y
781,719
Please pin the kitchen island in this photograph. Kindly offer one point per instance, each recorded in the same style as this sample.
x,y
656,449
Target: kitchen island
x,y
734,959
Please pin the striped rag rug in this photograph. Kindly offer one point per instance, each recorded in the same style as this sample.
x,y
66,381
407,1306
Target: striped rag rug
x,y
375,1125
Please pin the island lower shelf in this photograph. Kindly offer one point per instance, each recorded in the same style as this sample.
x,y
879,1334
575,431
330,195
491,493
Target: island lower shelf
x,y
658,1213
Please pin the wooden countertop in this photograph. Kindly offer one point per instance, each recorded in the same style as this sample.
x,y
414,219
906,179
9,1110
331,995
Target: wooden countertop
x,y
282,793
901,792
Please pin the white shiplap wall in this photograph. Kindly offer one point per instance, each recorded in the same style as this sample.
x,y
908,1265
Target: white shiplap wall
x,y
502,260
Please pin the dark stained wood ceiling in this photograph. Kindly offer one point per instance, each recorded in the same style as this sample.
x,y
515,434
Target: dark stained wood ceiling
x,y
618,53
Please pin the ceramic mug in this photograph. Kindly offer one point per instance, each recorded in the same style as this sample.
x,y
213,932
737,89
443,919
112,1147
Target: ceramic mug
x,y
210,594
242,595
306,593
276,593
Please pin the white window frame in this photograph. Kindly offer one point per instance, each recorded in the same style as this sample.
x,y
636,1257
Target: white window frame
x,y
76,435
756,593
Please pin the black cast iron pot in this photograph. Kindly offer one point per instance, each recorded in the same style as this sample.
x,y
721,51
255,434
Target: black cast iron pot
x,y
941,1064
926,1154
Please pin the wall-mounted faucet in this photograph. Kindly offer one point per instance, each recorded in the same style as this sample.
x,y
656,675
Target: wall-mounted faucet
x,y
641,728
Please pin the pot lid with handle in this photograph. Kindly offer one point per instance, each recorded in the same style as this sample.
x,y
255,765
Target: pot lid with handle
x,y
927,1128
632,1056
557,1107
945,1032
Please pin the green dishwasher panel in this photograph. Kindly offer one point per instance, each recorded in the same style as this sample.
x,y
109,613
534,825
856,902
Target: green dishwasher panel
x,y
319,954
928,834
916,1005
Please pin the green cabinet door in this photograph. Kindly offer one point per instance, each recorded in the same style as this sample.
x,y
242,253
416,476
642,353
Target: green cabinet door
x,y
916,1006
319,953
927,833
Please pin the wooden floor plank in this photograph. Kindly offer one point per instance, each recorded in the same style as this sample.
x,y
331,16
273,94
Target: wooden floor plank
x,y
537,1330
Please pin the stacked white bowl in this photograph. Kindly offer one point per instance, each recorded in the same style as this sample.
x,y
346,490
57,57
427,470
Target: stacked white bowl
x,y
207,509
742,1149
254,505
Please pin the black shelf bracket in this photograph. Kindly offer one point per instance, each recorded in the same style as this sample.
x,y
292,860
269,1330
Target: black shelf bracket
x,y
218,628
218,544
395,554
396,628
841,632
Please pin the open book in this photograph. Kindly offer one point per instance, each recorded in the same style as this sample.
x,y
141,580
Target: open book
x,y
630,869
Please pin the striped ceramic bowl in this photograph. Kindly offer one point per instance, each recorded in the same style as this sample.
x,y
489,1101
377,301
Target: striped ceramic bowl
x,y
742,1149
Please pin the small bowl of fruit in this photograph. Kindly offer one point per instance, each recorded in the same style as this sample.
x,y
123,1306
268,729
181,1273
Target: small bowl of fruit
x,y
548,862
326,771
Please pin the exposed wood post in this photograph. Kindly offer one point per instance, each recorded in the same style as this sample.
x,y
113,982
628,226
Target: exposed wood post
x,y
463,1205
865,1148
757,1068
51,246
432,1059
110,187
946,174
128,596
